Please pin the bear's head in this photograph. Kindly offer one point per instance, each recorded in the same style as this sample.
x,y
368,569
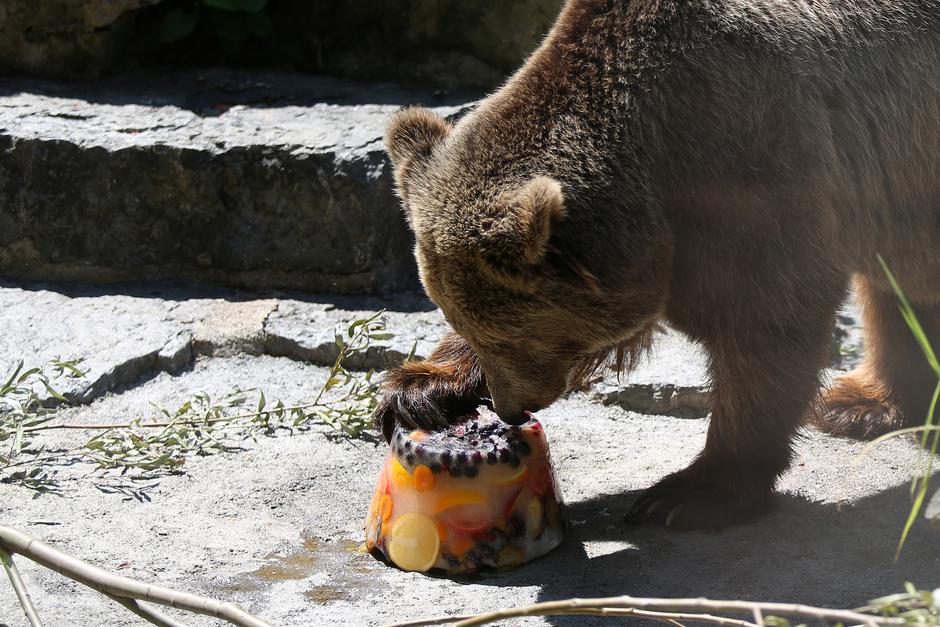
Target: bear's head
x,y
500,254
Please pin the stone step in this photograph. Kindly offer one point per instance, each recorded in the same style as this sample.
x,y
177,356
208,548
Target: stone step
x,y
127,334
259,180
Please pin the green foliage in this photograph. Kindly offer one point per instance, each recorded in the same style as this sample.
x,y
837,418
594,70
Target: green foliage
x,y
201,425
916,607
919,484
22,413
233,21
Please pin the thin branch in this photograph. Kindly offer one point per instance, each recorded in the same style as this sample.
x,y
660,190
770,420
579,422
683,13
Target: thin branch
x,y
667,609
47,458
664,617
99,579
20,589
169,423
429,622
668,617
148,614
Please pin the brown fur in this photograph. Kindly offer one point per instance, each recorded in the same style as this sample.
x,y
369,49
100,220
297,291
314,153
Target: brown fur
x,y
722,165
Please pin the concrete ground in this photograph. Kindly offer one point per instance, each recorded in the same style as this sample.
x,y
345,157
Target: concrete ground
x,y
276,526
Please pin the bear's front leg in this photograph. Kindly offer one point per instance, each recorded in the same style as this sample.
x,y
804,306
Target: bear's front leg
x,y
431,394
765,376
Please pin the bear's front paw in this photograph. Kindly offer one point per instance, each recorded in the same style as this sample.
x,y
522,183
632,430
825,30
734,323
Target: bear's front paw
x,y
410,409
700,497
418,396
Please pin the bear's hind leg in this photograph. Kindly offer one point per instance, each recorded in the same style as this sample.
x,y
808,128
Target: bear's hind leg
x,y
891,389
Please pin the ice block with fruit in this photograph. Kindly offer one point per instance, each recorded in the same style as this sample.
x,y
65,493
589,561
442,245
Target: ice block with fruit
x,y
480,494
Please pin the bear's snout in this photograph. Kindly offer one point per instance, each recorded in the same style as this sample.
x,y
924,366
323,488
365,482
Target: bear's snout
x,y
515,413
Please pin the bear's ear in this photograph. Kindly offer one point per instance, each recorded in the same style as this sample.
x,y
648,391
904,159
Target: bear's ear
x,y
517,238
412,133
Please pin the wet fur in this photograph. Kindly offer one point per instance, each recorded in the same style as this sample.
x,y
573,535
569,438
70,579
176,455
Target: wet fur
x,y
726,167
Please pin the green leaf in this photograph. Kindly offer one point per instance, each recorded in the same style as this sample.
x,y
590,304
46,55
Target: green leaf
x,y
26,375
178,24
54,392
16,371
381,336
261,403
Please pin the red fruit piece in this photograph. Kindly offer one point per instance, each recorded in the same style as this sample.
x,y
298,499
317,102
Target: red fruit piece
x,y
470,518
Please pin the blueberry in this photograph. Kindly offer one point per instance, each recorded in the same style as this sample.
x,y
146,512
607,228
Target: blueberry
x,y
435,468
410,458
421,450
491,457
504,454
515,461
445,458
462,457
470,472
408,445
454,471
522,447
476,457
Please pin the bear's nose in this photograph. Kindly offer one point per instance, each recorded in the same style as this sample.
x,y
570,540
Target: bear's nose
x,y
515,419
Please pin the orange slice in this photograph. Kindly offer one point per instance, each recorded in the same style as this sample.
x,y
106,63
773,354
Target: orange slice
x,y
414,543
401,478
459,497
442,531
423,478
460,545
386,507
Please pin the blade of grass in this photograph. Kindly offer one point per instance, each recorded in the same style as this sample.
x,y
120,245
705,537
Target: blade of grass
x,y
908,312
918,484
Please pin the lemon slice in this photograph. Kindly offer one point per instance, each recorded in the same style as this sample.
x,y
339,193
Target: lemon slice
x,y
414,543
515,478
534,517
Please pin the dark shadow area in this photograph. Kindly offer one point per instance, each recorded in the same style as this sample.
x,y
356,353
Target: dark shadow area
x,y
833,555
405,302
211,91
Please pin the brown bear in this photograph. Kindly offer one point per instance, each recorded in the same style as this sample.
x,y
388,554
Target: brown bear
x,y
725,166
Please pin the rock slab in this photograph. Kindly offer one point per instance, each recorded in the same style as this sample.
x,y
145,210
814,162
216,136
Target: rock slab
x,y
260,181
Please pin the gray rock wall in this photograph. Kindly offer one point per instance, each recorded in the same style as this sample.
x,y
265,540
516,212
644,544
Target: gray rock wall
x,y
451,43
64,38
192,179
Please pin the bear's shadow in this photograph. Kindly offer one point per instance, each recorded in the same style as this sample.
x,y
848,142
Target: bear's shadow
x,y
826,554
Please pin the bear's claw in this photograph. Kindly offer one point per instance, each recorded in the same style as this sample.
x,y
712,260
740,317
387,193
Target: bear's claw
x,y
425,415
696,499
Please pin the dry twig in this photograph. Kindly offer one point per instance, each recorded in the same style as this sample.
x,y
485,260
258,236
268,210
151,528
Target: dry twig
x,y
13,541
666,610
20,589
